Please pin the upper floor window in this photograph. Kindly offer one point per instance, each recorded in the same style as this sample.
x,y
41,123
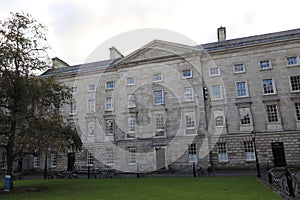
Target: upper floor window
x,y
268,86
130,81
131,100
219,118
297,107
91,105
295,83
110,85
291,61
188,94
245,116
91,128
239,68
216,92
265,64
158,97
190,120
272,113
73,107
241,89
131,124
159,120
91,88
74,90
157,77
214,71
187,73
109,103
109,127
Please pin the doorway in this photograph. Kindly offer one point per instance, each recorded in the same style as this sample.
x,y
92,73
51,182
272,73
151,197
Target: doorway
x,y
71,161
160,153
278,154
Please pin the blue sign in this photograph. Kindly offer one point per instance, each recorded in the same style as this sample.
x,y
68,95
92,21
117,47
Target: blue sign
x,y
7,183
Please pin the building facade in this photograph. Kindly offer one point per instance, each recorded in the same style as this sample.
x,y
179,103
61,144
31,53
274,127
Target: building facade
x,y
167,105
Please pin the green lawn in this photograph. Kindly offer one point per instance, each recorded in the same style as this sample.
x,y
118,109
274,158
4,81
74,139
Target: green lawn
x,y
207,188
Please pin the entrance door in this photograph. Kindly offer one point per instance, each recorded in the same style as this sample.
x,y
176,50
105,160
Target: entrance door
x,y
278,154
71,161
160,153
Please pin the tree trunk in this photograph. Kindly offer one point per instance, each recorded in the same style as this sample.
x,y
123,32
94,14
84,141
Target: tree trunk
x,y
46,166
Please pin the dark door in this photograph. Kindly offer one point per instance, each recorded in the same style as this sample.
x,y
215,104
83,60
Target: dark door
x,y
71,161
278,154
160,158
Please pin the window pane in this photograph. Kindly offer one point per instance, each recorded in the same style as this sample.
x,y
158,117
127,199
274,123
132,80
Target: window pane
x,y
91,105
131,124
214,71
216,92
131,155
110,85
297,106
109,156
130,81
295,83
190,120
241,89
249,151
109,103
245,116
158,97
272,113
186,73
239,68
222,152
264,64
268,86
157,77
91,128
188,94
292,60
109,127
92,87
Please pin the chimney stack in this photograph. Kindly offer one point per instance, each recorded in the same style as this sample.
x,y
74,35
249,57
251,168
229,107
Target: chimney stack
x,y
114,53
221,34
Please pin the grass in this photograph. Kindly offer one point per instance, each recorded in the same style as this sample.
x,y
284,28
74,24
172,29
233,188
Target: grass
x,y
216,188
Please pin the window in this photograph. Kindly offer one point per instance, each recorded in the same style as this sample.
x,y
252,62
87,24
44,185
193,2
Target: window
x,y
241,89
110,85
190,120
3,160
214,71
187,73
109,103
272,113
73,107
188,94
131,124
158,97
91,128
249,151
90,159
36,161
91,105
53,159
91,87
109,156
159,123
157,77
295,83
74,90
216,92
131,155
268,86
222,152
245,116
239,68
130,81
192,150
131,100
219,118
291,61
297,106
109,127
266,64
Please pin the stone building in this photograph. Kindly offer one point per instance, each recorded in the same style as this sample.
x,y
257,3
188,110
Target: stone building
x,y
167,105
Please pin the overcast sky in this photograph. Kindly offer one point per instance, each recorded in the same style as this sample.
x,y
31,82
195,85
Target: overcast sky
x,y
77,28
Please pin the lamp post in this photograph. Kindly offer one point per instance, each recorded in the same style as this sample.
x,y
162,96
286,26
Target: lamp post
x,y
256,158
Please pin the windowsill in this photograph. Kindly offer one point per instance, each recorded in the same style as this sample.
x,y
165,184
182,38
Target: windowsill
x,y
239,72
265,69
270,94
297,91
242,97
216,75
223,161
107,89
72,114
186,77
159,81
217,99
295,65
91,91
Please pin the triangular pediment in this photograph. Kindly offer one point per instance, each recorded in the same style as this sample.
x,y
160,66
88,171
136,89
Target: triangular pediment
x,y
156,50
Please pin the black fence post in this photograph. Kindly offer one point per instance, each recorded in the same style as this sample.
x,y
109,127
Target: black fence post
x,y
269,174
194,170
290,183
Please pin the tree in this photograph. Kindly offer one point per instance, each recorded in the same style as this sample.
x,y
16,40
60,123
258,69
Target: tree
x,y
29,104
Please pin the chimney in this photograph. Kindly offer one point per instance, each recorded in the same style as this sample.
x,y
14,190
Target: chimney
x,y
58,63
221,34
114,53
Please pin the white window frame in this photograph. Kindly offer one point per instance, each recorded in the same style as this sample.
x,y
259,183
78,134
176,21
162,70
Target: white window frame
x,y
130,83
213,96
222,152
291,85
237,91
109,85
90,128
89,159
192,152
292,65
109,103
188,94
131,155
271,115
91,105
242,112
109,126
131,101
297,111
53,159
249,151
238,65
74,90
155,77
214,71
190,121
109,156
219,113
36,161
155,97
92,87
273,86
183,74
73,107
260,64
159,123
131,127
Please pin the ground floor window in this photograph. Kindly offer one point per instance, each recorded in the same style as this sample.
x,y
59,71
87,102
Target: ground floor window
x,y
53,159
2,160
131,155
109,156
222,152
192,152
36,161
90,159
249,151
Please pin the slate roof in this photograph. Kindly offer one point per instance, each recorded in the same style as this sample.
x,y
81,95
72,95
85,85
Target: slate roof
x,y
227,44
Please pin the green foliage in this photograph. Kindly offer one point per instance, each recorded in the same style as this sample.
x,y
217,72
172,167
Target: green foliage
x,y
214,188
